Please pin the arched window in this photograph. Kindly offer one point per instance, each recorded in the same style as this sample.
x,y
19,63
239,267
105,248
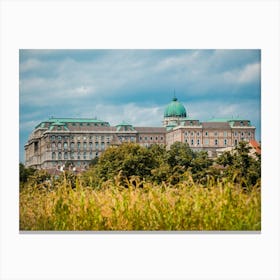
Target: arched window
x,y
216,142
72,145
59,155
53,155
65,145
66,155
53,146
59,145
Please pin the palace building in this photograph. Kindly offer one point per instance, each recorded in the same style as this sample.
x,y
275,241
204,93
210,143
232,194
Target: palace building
x,y
59,140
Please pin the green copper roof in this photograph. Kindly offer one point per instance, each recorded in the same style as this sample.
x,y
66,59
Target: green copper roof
x,y
72,120
64,121
124,125
225,119
175,109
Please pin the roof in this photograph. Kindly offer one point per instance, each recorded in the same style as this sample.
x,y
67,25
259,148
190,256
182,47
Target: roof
x,y
151,129
226,119
175,109
256,146
216,125
77,120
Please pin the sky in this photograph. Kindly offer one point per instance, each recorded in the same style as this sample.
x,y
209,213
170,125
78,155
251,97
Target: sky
x,y
136,85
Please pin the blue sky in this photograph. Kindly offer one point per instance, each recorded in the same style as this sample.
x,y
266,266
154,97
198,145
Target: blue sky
x,y
136,85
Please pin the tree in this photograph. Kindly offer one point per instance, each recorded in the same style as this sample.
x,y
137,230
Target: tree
x,y
240,166
25,173
180,154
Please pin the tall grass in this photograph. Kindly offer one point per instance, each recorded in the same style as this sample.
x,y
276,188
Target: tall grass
x,y
140,206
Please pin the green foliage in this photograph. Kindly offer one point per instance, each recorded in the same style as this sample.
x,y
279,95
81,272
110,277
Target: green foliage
x,y
240,166
25,173
136,188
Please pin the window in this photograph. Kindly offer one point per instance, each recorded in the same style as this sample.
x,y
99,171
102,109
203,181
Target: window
x,y
90,145
53,145
96,146
192,133
206,133
216,142
79,145
206,141
91,155
242,133
161,138
73,124
53,155
197,134
235,133
192,142
186,133
88,124
59,137
52,137
102,146
140,138
59,155
72,156
198,142
85,145
146,138
225,142
65,145
59,145
65,155
81,124
151,138
235,142
249,133
215,133
225,134
79,155
72,145
85,155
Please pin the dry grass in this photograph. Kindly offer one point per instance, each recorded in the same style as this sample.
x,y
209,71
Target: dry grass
x,y
186,206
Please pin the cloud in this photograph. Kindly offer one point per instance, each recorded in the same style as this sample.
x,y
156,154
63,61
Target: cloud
x,y
136,85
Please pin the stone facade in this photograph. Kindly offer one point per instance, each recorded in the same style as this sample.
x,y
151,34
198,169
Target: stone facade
x,y
57,141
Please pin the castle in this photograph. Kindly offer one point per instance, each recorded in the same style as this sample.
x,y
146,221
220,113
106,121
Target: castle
x,y
59,140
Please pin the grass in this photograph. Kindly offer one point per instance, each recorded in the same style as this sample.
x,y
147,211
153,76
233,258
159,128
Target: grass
x,y
185,206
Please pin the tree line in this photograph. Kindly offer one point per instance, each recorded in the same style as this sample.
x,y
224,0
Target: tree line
x,y
156,164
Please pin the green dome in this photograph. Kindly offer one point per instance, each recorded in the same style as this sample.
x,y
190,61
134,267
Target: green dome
x,y
175,109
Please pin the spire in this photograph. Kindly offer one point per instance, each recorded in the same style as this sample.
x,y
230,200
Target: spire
x,y
174,97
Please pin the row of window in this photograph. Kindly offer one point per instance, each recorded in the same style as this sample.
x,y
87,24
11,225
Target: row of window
x,y
151,138
225,133
73,155
206,142
78,145
89,124
96,138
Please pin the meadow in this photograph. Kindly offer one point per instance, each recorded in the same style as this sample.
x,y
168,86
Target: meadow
x,y
132,188
186,206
